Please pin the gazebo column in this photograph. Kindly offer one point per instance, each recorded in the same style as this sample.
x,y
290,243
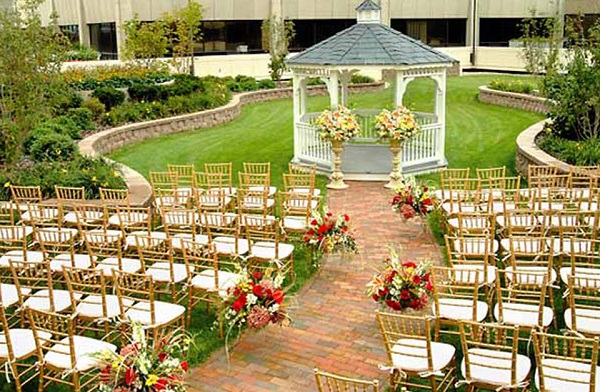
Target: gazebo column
x,y
402,82
299,98
333,86
440,113
345,78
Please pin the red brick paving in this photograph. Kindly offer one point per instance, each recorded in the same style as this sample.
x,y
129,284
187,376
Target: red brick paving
x,y
334,325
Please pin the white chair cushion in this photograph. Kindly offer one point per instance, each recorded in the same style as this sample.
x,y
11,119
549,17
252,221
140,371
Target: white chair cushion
x,y
143,237
272,189
161,272
84,347
496,359
226,245
12,234
316,191
218,220
201,239
79,261
164,313
126,220
572,245
18,255
523,314
296,223
22,340
112,263
40,300
575,376
588,320
461,309
88,217
10,296
91,306
256,203
411,355
43,214
475,246
463,276
205,280
267,250
96,236
583,272
537,278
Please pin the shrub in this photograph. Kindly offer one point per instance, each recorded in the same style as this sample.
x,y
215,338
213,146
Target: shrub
x,y
266,84
64,125
113,76
53,147
82,117
145,92
95,106
513,86
581,153
358,78
109,96
69,99
82,53
8,141
314,82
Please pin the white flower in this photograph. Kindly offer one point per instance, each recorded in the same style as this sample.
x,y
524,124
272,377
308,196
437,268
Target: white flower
x,y
274,308
252,299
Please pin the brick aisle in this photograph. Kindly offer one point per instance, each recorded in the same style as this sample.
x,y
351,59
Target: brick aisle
x,y
334,326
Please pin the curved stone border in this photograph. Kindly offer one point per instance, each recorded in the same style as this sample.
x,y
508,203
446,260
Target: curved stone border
x,y
110,140
513,100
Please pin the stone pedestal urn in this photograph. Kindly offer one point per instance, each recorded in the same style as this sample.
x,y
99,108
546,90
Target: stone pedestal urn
x,y
337,177
396,173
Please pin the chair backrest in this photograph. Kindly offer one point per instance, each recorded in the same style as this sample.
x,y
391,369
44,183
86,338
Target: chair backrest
x,y
304,183
66,194
153,250
135,292
252,201
30,275
329,382
565,361
183,173
7,343
115,197
56,242
297,168
87,286
447,174
103,244
583,314
249,180
491,172
41,215
542,261
258,167
456,288
60,328
540,175
200,259
225,169
13,238
261,228
523,222
26,194
90,216
295,204
527,247
163,180
179,221
7,213
134,218
523,292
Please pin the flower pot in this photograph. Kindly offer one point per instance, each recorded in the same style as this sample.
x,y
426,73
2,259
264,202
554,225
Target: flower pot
x,y
396,173
337,177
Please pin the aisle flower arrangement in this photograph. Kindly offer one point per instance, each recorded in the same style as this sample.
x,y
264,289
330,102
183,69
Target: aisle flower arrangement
x,y
328,232
412,199
143,367
337,125
256,300
399,124
401,285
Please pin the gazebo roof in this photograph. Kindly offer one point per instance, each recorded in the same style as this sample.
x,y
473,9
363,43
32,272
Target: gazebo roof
x,y
368,5
370,44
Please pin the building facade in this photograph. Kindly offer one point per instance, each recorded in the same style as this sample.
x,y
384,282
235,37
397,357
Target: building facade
x,y
234,26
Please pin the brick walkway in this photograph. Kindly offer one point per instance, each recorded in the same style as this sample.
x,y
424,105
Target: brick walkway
x,y
334,326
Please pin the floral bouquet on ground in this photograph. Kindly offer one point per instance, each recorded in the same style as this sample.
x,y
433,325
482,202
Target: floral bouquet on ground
x,y
399,124
330,233
144,367
412,199
256,300
340,124
402,285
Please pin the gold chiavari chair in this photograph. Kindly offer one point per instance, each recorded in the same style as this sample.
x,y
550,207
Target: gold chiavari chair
x,y
582,263
505,194
225,235
468,253
68,196
251,181
184,175
115,197
266,249
299,168
582,317
134,222
565,363
415,360
181,223
8,213
107,250
175,197
60,249
518,223
491,359
23,195
491,172
42,215
226,176
257,167
14,246
300,183
541,175
65,358
329,382
295,210
446,174
209,193
88,217
462,195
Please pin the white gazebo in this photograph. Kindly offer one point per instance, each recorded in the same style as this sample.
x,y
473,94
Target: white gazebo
x,y
370,46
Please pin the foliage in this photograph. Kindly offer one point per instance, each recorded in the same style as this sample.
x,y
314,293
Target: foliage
x,y
277,34
580,153
143,366
145,42
541,39
412,199
109,96
113,76
79,52
330,233
53,146
8,141
184,30
82,117
401,285
68,99
358,78
339,124
399,124
183,84
266,84
96,107
513,86
59,125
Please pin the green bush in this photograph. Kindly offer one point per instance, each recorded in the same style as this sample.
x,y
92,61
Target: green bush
x,y
82,117
64,125
358,78
69,99
579,153
109,96
146,92
95,106
8,141
314,82
266,84
81,52
512,86
53,147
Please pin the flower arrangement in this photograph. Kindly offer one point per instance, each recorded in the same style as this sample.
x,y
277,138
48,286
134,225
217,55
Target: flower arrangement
x,y
401,285
256,300
143,367
340,124
399,124
412,199
330,233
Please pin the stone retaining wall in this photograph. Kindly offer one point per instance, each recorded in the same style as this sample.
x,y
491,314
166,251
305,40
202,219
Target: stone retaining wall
x,y
110,140
513,100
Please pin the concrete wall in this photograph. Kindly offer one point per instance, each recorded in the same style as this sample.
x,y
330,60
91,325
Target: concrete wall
x,y
513,100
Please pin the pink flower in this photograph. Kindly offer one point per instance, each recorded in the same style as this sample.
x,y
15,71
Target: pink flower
x,y
407,211
259,317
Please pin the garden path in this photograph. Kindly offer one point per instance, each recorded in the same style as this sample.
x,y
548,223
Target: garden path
x,y
334,326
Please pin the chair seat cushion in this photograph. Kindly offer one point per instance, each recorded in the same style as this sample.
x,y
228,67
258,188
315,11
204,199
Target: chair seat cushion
x,y
565,376
164,313
128,219
84,348
112,263
461,309
201,239
41,214
161,272
268,251
78,260
583,272
295,223
89,217
205,280
31,256
535,277
92,307
40,300
465,274
22,340
521,314
411,355
10,296
572,245
130,240
588,320
226,246
499,364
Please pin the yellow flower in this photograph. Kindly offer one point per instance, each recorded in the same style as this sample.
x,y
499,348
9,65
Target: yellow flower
x,y
115,174
94,179
7,184
152,379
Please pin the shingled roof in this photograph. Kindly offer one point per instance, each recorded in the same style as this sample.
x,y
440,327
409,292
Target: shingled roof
x,y
368,5
369,44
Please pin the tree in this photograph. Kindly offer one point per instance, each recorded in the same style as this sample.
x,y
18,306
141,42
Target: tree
x,y
145,42
30,80
277,34
184,31
541,39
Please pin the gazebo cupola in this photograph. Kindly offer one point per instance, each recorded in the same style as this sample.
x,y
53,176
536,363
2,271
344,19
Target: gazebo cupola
x,y
370,46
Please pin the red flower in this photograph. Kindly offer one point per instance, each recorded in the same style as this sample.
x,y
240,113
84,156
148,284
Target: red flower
x,y
394,305
344,229
409,264
329,214
375,297
184,366
105,374
257,290
161,384
410,200
278,296
416,279
257,275
407,211
239,303
346,218
323,229
314,222
429,286
405,295
162,356
384,291
415,304
130,376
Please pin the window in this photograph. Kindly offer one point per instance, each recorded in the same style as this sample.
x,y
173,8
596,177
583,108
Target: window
x,y
103,38
434,32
